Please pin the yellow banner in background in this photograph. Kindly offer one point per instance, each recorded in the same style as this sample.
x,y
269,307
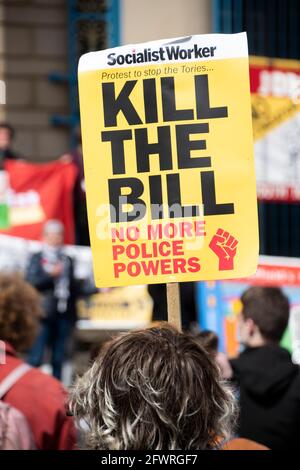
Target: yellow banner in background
x,y
128,307
275,89
168,157
275,93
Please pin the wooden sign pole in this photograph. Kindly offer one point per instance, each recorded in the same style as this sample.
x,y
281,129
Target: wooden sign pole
x,y
173,300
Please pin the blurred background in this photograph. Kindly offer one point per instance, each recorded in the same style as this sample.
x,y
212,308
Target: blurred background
x,y
40,144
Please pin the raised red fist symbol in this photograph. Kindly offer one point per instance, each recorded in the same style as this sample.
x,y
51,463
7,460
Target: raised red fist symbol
x,y
224,246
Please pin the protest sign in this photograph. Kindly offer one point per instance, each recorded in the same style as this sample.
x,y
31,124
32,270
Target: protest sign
x,y
275,95
31,194
168,159
117,308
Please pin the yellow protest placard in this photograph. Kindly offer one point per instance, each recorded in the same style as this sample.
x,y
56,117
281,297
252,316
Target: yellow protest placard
x,y
168,159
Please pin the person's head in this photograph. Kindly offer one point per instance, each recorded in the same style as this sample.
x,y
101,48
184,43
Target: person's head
x,y
53,233
264,316
20,311
153,389
6,135
209,340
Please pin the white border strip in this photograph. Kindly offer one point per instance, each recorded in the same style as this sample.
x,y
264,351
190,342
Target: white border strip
x,y
227,46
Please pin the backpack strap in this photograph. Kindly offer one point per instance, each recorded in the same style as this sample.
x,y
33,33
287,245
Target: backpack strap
x,y
12,378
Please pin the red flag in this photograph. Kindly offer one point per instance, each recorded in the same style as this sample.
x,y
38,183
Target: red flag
x,y
39,192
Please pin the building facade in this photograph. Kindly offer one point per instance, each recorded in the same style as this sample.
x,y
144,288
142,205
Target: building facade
x,y
40,42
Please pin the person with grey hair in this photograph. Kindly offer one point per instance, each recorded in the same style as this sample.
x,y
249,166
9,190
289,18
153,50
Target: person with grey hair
x,y
51,273
154,389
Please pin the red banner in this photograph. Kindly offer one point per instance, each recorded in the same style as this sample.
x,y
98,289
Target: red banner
x,y
273,275
39,192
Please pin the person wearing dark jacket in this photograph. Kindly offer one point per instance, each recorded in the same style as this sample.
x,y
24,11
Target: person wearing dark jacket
x,y
269,383
51,273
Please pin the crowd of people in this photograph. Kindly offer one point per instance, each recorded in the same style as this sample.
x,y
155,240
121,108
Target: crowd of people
x,y
154,388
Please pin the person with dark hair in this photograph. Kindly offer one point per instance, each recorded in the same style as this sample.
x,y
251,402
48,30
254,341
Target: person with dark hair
x,y
7,133
269,383
210,341
153,389
39,397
